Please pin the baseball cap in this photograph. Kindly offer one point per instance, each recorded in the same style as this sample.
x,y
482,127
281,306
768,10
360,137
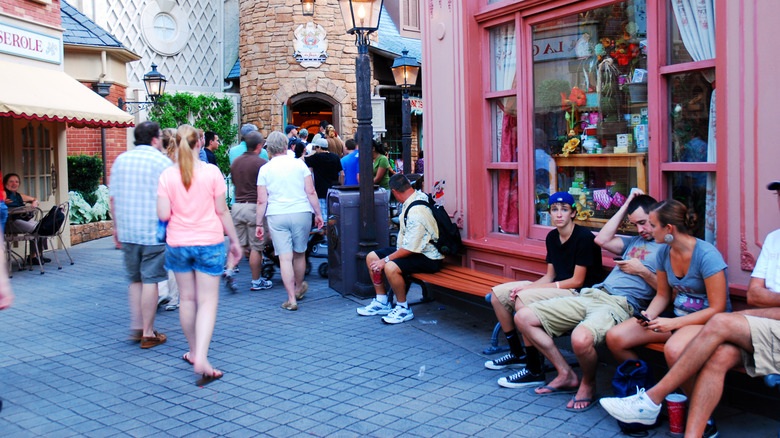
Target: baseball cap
x,y
561,197
289,128
774,185
247,128
321,142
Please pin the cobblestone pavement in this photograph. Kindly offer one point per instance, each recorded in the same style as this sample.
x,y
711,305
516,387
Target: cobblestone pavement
x,y
68,370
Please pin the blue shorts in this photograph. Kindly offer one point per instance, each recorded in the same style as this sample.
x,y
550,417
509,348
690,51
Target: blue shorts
x,y
209,259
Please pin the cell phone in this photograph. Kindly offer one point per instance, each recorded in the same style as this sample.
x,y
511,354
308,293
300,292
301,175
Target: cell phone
x,y
617,259
638,315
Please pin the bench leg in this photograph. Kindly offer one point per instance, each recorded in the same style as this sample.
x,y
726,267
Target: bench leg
x,y
494,347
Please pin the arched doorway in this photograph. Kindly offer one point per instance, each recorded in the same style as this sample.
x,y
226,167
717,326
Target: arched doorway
x,y
307,110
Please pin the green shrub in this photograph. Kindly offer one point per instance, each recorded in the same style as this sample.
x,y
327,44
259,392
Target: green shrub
x,y
84,173
82,212
206,112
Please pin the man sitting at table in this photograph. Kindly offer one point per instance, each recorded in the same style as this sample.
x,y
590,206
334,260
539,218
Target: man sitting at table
x,y
20,219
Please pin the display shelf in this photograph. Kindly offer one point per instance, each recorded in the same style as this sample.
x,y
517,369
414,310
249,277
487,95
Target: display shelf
x,y
631,161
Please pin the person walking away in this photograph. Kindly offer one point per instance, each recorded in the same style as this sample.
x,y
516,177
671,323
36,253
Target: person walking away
x,y
350,163
244,171
326,170
191,197
133,195
286,195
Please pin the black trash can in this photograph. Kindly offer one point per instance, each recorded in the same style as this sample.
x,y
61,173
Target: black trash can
x,y
344,235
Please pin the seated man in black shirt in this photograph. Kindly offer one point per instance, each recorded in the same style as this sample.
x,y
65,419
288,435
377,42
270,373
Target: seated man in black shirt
x,y
573,261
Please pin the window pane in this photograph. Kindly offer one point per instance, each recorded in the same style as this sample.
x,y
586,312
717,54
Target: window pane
x,y
505,202
503,120
503,60
590,108
697,191
691,30
691,95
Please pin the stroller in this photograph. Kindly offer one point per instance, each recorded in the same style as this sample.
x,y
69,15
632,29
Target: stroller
x,y
313,248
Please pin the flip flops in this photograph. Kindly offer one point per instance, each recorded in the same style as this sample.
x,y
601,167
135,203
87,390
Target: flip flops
x,y
591,401
553,391
186,358
205,379
304,289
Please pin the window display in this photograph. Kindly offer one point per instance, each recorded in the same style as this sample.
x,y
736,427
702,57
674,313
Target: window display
x,y
590,108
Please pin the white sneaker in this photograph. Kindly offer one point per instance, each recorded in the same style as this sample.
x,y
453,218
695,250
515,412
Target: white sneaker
x,y
398,315
637,408
375,308
261,284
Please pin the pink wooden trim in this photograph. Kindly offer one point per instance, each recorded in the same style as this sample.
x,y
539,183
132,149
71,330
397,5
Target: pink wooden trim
x,y
756,153
679,166
742,173
721,62
499,94
687,66
656,94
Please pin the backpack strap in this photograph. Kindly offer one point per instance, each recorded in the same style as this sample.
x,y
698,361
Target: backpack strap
x,y
414,203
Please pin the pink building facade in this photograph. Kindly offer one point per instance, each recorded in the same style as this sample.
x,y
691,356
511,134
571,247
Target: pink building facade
x,y
595,97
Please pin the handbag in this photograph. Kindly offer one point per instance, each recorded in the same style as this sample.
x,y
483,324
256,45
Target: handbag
x,y
630,376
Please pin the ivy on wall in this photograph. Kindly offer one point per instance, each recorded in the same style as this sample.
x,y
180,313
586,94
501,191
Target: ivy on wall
x,y
206,112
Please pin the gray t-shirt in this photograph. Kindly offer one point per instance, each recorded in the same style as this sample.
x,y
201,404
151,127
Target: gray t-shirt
x,y
636,290
691,294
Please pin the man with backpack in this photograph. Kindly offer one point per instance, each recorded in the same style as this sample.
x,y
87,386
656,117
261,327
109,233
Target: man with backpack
x,y
416,252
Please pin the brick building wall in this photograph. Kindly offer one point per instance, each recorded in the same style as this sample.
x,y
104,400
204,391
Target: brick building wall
x,y
270,75
87,140
39,13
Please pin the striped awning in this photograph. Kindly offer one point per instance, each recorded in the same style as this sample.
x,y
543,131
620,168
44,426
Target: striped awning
x,y
36,93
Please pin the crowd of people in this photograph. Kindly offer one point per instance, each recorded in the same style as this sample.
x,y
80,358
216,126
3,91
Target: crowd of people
x,y
171,217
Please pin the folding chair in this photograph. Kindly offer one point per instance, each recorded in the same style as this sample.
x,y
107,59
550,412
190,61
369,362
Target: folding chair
x,y
18,236
48,228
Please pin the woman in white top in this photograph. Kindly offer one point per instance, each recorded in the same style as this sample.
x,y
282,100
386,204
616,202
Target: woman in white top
x,y
286,196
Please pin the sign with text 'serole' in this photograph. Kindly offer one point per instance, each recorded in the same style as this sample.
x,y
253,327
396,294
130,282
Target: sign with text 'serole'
x,y
22,42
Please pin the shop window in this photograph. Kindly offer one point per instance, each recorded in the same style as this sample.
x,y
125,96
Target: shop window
x,y
591,109
690,169
411,14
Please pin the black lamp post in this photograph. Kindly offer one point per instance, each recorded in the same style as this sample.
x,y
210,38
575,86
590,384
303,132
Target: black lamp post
x,y
308,7
361,17
405,69
154,82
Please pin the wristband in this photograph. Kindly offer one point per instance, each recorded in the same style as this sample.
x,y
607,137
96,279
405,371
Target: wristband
x,y
386,259
557,284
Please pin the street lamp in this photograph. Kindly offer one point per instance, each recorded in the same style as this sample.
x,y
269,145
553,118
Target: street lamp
x,y
361,17
405,69
154,82
308,7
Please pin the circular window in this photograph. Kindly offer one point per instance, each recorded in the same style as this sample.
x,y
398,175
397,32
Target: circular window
x,y
164,27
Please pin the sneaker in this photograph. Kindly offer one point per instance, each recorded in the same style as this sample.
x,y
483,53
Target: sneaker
x,y
521,379
375,308
171,307
710,431
153,341
231,283
398,315
508,360
261,284
637,408
163,300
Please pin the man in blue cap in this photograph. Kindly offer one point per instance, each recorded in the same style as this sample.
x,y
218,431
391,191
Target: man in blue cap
x,y
573,261
292,134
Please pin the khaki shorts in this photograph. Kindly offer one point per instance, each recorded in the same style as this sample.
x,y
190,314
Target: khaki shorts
x,y
245,220
595,309
527,296
765,336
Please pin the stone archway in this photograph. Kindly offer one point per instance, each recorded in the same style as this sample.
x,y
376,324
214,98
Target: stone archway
x,y
307,110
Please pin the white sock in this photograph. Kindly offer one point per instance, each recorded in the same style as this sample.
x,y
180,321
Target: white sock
x,y
382,299
256,281
404,304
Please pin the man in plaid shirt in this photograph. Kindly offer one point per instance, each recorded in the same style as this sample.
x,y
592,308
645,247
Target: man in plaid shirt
x,y
133,190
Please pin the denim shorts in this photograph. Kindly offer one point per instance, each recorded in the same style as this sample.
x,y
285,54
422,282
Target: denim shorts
x,y
209,259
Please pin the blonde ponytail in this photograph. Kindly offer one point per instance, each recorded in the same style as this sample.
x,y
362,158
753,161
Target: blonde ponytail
x,y
186,138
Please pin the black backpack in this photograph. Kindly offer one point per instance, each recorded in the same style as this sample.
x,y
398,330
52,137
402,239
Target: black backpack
x,y
52,222
449,241
630,375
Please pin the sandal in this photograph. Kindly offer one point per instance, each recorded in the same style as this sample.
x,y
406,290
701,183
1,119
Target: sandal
x,y
186,358
289,306
304,289
207,378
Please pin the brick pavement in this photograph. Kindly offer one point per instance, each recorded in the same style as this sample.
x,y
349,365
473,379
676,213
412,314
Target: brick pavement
x,y
67,369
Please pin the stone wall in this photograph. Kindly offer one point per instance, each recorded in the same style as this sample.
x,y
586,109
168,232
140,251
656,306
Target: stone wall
x,y
270,75
86,232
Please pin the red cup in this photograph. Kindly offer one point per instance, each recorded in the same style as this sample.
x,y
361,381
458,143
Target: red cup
x,y
376,276
675,404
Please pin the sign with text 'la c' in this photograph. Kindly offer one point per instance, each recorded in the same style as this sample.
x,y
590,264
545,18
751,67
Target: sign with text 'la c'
x,y
22,42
